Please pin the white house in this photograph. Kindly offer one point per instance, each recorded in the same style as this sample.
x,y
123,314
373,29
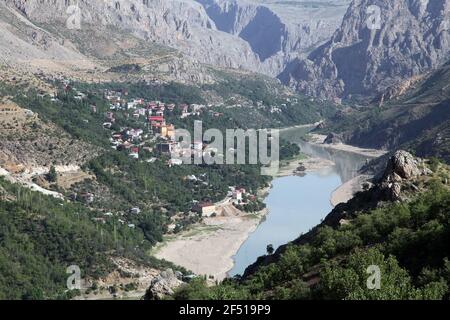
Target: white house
x,y
135,210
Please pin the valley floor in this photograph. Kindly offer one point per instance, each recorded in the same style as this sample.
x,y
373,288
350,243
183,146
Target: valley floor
x,y
370,153
208,248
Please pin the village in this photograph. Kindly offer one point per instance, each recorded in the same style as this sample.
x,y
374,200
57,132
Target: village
x,y
153,139
156,135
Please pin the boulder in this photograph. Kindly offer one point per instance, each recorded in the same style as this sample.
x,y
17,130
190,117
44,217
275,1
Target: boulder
x,y
333,138
404,165
400,167
162,285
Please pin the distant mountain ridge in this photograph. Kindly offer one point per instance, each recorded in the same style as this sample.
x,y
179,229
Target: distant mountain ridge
x,y
413,38
257,36
277,31
418,120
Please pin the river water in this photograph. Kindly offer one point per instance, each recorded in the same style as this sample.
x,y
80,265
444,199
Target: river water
x,y
297,204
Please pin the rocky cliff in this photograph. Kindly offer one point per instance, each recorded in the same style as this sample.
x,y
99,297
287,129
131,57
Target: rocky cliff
x,y
261,36
180,24
277,32
379,44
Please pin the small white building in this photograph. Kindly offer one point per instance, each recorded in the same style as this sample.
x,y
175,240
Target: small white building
x,y
175,162
135,210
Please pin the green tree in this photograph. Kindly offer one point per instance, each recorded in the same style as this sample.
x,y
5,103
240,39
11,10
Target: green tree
x,y
350,281
52,175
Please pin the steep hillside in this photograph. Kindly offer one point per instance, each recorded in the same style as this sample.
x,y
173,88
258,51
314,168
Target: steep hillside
x,y
28,47
406,241
28,141
180,24
43,236
379,44
260,36
34,46
418,120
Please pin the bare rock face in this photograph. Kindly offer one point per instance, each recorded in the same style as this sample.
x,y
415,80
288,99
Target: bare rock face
x,y
379,44
261,36
180,24
402,166
277,32
162,285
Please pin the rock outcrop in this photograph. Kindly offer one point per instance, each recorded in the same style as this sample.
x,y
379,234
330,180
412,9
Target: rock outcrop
x,y
401,167
163,285
333,138
379,44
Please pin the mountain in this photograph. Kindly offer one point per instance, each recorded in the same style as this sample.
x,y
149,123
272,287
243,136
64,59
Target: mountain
x,y
258,36
34,46
277,31
411,38
180,39
182,24
416,118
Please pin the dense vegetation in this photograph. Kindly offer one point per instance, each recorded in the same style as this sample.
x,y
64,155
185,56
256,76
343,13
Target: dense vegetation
x,y
409,242
40,236
74,116
140,183
254,96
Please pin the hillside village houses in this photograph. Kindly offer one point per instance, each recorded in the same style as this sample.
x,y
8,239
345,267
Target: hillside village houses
x,y
153,127
237,193
153,115
153,132
206,209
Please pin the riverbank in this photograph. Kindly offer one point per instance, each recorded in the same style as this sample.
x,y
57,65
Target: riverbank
x,y
308,164
208,248
318,139
347,190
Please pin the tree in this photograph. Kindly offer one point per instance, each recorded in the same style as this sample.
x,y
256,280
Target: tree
x,y
270,249
52,175
350,281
